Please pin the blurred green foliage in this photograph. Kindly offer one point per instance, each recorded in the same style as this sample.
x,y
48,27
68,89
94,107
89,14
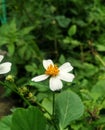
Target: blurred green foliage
x,y
63,30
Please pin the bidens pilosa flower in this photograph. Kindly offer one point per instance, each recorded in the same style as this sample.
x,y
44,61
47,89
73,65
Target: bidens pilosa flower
x,y
4,67
56,74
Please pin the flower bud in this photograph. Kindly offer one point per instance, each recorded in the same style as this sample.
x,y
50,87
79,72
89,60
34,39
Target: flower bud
x,y
10,78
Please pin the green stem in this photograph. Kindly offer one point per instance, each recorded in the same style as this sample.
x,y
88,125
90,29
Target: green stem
x,y
53,106
100,59
53,113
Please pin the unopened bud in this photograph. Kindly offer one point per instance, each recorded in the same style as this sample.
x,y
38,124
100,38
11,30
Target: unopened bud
x,y
30,95
10,78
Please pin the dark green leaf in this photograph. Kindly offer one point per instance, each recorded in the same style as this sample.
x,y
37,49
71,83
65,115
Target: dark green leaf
x,y
28,119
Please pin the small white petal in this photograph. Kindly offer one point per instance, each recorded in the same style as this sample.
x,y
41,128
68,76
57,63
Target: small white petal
x,y
66,67
1,57
68,77
55,84
40,78
5,67
46,63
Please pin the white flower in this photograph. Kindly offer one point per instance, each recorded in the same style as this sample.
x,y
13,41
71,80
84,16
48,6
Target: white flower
x,y
56,74
4,67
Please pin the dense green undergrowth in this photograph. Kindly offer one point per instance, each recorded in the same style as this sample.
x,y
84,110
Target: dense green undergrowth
x,y
64,31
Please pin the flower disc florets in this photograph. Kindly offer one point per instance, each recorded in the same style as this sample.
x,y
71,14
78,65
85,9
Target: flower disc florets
x,y
52,70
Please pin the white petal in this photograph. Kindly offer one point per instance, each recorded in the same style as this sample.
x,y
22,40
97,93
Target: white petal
x,y
5,67
46,63
40,78
66,67
68,77
1,57
55,84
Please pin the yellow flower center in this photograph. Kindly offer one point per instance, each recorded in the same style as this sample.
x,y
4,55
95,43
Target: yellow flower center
x,y
52,70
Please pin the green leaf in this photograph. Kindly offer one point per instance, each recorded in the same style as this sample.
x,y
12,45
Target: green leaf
x,y
39,86
100,47
4,40
47,104
99,88
5,123
26,30
63,21
22,50
68,108
89,69
67,40
28,119
72,30
50,127
12,26
11,48
62,59
31,68
100,121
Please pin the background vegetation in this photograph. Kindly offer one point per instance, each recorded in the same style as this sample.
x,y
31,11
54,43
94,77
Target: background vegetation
x,y
61,30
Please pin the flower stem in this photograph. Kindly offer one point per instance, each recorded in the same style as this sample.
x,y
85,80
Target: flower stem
x,y
53,114
53,106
